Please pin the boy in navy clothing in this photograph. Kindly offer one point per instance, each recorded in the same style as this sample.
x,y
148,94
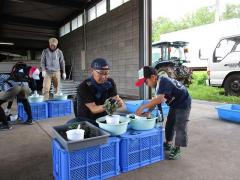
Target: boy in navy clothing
x,y
177,97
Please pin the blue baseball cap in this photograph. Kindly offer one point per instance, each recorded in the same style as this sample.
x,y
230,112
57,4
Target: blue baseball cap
x,y
99,64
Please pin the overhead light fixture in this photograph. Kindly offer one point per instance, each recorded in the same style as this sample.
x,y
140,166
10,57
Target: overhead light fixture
x,y
7,43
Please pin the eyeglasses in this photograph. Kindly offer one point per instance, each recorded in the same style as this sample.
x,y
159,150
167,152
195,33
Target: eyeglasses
x,y
103,73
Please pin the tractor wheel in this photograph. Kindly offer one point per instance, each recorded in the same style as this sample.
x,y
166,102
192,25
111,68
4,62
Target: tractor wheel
x,y
167,71
232,85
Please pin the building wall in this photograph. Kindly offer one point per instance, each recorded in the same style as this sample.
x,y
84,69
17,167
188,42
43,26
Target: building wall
x,y
114,36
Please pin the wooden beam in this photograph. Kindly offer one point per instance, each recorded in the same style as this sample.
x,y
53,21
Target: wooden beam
x,y
9,19
73,4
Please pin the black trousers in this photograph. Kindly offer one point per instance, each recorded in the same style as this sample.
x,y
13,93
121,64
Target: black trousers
x,y
177,121
3,117
27,107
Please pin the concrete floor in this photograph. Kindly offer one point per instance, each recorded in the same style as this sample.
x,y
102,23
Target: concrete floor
x,y
213,152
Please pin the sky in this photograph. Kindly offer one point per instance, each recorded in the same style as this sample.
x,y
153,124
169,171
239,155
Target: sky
x,y
175,9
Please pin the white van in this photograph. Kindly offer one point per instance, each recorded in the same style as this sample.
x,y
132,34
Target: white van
x,y
224,65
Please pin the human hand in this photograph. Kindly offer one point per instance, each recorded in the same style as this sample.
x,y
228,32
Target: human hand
x,y
139,111
119,101
43,73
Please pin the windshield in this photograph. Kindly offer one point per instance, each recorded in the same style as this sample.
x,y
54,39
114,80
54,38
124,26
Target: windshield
x,y
166,53
223,48
156,53
177,53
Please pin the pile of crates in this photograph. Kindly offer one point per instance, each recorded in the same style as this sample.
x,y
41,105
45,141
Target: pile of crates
x,y
121,154
45,110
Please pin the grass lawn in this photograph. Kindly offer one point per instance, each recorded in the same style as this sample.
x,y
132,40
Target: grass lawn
x,y
199,90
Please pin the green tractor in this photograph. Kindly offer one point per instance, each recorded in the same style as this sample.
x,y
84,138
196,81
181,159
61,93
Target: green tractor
x,y
169,59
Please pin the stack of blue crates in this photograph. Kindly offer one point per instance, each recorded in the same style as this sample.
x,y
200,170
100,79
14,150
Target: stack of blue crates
x,y
141,148
59,108
39,111
93,163
124,153
45,110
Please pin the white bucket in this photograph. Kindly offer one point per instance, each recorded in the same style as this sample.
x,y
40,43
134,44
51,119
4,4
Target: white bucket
x,y
114,119
75,134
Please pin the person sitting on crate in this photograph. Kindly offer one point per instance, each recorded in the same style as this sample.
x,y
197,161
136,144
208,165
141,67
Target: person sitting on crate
x,y
31,75
16,85
94,91
179,100
52,61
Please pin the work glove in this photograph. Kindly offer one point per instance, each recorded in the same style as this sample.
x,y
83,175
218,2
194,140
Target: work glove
x,y
64,76
43,73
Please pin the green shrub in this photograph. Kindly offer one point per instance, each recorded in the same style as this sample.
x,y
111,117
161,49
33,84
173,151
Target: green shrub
x,y
199,90
199,78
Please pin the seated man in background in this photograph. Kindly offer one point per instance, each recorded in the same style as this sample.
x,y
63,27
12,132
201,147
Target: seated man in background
x,y
16,85
94,91
31,74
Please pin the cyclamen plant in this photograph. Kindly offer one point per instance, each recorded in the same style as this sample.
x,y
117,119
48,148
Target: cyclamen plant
x,y
110,106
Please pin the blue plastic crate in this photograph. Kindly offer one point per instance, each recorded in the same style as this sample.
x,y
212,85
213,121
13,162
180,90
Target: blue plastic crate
x,y
59,108
39,111
98,162
132,106
229,112
141,148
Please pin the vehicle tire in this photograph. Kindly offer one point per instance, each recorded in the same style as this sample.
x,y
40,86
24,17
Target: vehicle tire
x,y
232,85
167,71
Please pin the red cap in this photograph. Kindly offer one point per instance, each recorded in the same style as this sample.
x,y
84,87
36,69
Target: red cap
x,y
139,82
141,78
145,73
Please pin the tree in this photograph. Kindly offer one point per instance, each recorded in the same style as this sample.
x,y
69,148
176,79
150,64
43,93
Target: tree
x,y
232,11
164,25
160,26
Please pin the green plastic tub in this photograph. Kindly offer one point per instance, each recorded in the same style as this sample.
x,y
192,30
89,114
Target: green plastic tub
x,y
142,123
34,99
114,129
60,97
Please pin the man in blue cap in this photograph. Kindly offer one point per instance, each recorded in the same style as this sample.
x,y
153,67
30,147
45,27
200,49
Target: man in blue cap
x,y
94,91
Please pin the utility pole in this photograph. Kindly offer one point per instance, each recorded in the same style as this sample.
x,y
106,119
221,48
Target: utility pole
x,y
217,11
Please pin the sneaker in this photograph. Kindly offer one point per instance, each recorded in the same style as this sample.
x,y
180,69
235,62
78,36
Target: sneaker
x,y
5,127
28,122
167,146
174,153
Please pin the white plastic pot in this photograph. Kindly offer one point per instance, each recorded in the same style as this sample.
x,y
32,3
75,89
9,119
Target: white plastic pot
x,y
113,119
75,134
